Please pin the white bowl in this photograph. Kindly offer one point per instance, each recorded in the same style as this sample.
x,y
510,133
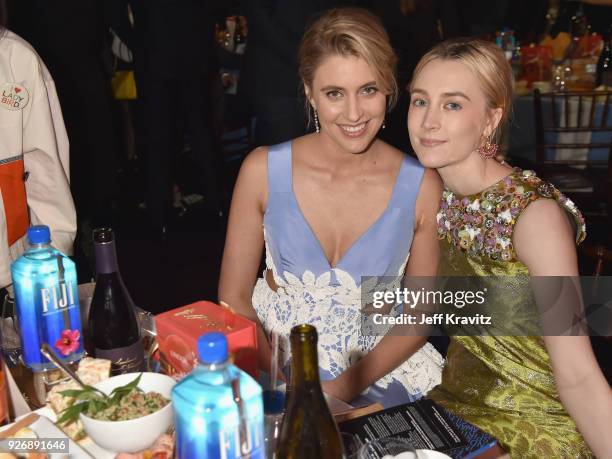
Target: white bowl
x,y
134,434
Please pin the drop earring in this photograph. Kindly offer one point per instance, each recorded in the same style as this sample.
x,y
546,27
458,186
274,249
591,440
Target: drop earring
x,y
488,149
316,119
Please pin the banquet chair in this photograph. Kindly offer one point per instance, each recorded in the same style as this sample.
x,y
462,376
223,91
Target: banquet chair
x,y
601,344
573,145
601,255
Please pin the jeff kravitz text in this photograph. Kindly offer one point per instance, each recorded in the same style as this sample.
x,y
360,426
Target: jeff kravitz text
x,y
433,319
423,297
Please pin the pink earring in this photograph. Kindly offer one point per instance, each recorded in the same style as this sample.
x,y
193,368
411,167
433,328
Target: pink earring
x,y
487,149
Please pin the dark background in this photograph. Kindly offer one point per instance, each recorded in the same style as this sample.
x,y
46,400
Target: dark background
x,y
173,258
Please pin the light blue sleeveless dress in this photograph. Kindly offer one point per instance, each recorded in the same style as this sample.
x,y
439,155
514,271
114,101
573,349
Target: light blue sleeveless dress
x,y
311,291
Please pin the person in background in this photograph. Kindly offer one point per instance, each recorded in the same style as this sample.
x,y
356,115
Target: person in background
x,y
34,162
331,207
539,396
71,38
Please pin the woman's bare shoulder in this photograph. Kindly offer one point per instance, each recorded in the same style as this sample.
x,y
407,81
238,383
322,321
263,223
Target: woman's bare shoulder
x,y
430,192
543,239
252,180
432,182
255,161
254,168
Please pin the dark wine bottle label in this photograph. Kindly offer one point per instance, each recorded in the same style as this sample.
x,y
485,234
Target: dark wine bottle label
x,y
128,359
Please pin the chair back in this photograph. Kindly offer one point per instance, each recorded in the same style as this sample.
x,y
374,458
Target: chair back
x,y
572,112
574,138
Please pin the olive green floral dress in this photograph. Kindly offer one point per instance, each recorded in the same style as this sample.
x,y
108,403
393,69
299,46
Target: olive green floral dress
x,y
503,384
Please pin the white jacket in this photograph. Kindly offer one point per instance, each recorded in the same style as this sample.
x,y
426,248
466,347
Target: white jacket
x,y
34,163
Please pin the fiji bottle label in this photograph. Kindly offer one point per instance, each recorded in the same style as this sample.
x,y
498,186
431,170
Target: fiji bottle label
x,y
227,442
48,312
235,444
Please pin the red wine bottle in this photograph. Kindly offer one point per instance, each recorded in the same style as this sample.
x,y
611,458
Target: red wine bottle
x,y
113,328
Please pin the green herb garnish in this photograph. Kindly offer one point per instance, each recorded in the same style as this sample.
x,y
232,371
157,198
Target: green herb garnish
x,y
92,400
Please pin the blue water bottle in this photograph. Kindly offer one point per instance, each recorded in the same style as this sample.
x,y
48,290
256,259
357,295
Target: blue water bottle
x,y
47,302
218,408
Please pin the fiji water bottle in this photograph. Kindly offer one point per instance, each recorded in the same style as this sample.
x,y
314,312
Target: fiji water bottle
x,y
218,408
47,302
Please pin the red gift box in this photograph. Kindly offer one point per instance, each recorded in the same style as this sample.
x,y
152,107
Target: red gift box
x,y
178,331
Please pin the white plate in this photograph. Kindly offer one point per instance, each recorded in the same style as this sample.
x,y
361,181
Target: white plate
x,y
44,428
431,454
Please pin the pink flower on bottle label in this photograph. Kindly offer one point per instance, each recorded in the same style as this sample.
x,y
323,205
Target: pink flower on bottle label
x,y
68,342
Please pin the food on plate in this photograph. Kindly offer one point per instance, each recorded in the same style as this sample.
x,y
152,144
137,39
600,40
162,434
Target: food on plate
x,y
135,404
163,448
23,433
56,400
123,403
23,456
91,371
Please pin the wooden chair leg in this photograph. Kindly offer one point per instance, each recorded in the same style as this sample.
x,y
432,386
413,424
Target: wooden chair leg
x,y
601,252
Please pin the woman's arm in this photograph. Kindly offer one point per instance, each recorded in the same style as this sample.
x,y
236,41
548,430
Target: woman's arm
x,y
544,241
392,350
244,243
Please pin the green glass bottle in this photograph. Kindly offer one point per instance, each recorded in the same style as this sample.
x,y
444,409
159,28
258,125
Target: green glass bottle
x,y
308,430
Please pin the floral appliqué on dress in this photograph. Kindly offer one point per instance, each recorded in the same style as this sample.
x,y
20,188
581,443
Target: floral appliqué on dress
x,y
482,224
334,308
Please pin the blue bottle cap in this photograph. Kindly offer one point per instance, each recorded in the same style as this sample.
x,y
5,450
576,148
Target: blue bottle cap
x,y
212,348
273,401
39,234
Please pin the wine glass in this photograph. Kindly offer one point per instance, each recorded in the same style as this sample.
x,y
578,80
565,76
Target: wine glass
x,y
351,445
10,340
388,447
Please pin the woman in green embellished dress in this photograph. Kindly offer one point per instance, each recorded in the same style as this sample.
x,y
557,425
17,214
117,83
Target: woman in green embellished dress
x,y
539,396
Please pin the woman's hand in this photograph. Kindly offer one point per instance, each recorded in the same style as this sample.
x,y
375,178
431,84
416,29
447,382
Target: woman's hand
x,y
335,388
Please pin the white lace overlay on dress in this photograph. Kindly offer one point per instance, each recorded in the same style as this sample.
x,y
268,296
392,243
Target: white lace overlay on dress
x,y
335,310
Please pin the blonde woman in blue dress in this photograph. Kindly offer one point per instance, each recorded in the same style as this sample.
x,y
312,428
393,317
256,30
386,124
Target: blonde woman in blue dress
x,y
331,207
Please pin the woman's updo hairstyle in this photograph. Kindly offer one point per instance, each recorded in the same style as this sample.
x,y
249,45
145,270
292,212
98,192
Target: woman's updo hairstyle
x,y
487,62
349,32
